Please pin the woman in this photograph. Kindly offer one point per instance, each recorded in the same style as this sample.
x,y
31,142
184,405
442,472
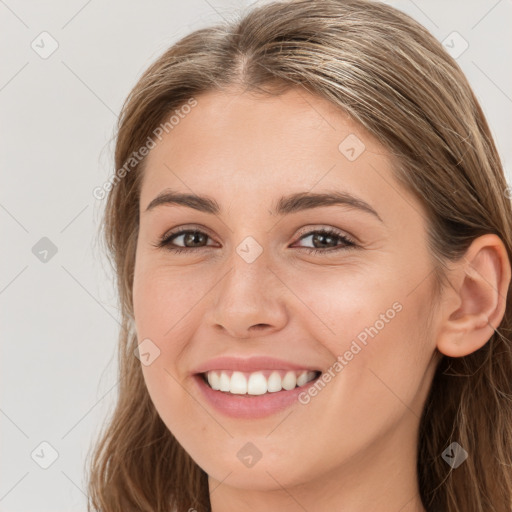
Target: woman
x,y
311,232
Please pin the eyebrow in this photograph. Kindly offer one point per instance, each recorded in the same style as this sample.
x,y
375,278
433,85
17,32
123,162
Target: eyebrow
x,y
284,206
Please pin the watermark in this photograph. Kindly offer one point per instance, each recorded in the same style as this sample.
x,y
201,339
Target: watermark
x,y
44,455
249,249
344,359
44,45
146,351
454,455
137,156
44,250
455,44
352,147
249,455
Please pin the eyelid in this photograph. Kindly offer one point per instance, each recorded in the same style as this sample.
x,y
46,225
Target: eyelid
x,y
185,228
322,227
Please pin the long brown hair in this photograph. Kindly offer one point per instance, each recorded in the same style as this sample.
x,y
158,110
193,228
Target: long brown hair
x,y
390,74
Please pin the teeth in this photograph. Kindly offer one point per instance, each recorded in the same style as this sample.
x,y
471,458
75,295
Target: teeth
x,y
213,380
224,382
238,384
302,378
289,381
274,382
256,383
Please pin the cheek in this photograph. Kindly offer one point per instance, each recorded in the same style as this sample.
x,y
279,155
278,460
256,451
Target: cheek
x,y
373,324
337,303
163,301
385,358
163,297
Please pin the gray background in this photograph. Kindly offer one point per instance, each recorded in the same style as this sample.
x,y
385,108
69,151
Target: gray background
x,y
59,316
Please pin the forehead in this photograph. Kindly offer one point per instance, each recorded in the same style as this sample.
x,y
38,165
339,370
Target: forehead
x,y
255,145
292,124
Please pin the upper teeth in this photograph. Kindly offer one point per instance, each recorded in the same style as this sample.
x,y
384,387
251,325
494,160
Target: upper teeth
x,y
256,383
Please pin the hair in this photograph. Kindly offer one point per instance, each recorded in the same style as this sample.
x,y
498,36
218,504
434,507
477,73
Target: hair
x,y
393,77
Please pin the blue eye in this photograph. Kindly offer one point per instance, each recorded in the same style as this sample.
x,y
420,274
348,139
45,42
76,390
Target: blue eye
x,y
196,236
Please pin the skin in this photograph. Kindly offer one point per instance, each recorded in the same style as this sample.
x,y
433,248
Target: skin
x,y
353,446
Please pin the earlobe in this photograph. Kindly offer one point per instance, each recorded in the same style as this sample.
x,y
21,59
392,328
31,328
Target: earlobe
x,y
477,299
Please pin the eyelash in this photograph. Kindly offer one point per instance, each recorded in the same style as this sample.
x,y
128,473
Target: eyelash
x,y
165,241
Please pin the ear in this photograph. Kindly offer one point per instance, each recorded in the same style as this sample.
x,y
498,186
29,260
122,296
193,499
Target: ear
x,y
475,305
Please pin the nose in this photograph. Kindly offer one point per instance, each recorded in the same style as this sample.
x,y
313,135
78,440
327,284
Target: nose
x,y
249,300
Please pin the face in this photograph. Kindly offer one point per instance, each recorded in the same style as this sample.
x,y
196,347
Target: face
x,y
268,289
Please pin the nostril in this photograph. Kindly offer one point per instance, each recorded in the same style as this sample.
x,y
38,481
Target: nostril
x,y
259,327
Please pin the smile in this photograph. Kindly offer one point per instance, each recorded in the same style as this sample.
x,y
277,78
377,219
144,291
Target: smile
x,y
254,387
259,382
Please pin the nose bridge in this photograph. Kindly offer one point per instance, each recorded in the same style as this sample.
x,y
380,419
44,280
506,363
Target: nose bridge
x,y
249,269
248,294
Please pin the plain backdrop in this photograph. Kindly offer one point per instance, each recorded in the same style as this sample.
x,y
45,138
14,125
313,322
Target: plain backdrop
x,y
59,317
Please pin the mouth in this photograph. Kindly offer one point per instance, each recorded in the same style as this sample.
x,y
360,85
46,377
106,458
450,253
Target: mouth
x,y
252,388
261,382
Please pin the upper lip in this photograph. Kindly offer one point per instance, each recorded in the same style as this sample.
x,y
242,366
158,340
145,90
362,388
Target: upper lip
x,y
250,364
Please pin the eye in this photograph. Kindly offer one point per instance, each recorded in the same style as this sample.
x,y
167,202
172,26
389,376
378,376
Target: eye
x,y
323,237
189,236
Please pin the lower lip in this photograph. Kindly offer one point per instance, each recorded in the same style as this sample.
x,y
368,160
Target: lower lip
x,y
250,406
